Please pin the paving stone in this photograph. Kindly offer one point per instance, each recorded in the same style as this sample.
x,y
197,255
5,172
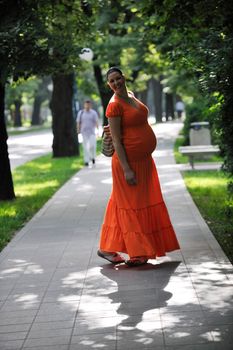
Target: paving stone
x,y
97,340
43,341
15,320
187,335
11,344
48,347
49,333
138,339
208,346
14,328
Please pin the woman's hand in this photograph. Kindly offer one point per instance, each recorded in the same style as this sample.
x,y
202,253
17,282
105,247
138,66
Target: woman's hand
x,y
130,177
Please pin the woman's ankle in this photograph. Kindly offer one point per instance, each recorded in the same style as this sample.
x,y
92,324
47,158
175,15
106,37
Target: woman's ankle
x,y
106,253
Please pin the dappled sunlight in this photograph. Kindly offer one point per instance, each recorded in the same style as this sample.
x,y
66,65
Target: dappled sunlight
x,y
174,183
9,211
10,271
27,298
82,187
107,181
75,179
34,270
82,205
169,166
86,341
68,303
215,180
95,303
210,282
68,299
31,190
15,156
74,279
36,166
16,267
163,153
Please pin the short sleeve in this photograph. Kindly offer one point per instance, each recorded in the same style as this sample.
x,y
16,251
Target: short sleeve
x,y
95,115
79,116
114,109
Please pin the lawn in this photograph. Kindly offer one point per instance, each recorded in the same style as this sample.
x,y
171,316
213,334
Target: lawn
x,y
209,191
34,183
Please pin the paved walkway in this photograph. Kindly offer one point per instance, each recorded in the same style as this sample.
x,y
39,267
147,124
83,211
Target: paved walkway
x,y
25,147
56,294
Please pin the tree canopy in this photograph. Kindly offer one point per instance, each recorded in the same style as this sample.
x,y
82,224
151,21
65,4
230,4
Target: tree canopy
x,y
187,44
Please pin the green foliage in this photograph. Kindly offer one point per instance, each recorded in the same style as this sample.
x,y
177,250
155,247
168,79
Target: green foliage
x,y
209,191
188,43
202,109
22,89
41,37
197,37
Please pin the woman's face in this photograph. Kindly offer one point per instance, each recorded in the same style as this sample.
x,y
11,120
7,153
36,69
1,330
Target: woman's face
x,y
116,82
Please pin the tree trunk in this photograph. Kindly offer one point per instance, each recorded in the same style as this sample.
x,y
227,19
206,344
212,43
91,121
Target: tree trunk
x,y
142,96
157,93
105,92
18,118
6,183
41,95
36,119
169,107
65,140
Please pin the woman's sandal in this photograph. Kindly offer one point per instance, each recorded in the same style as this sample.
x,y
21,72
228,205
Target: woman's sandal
x,y
112,258
134,262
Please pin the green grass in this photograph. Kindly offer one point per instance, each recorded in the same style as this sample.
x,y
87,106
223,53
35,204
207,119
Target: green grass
x,y
209,191
34,183
181,159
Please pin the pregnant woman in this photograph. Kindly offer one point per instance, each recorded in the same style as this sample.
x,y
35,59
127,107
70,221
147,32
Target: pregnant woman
x,y
136,220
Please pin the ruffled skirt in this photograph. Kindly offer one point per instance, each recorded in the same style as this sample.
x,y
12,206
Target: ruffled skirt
x,y
136,220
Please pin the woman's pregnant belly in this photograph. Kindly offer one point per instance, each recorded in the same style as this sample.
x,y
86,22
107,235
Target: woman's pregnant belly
x,y
139,142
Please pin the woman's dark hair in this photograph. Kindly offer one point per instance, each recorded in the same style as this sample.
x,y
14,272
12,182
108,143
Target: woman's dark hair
x,y
113,69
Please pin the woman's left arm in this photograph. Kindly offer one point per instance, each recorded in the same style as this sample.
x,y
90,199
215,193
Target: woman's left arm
x,y
115,128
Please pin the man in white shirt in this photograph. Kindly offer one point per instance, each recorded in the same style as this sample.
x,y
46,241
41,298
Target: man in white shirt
x,y
179,108
87,121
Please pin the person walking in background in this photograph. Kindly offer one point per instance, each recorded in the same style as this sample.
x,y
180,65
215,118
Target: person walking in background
x,y
179,108
136,220
87,122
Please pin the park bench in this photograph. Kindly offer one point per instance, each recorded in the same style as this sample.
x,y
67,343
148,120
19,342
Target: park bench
x,y
194,151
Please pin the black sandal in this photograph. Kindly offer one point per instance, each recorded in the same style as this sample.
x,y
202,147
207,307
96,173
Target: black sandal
x,y
112,258
134,262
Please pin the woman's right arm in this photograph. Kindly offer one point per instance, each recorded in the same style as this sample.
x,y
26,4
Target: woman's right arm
x,y
115,128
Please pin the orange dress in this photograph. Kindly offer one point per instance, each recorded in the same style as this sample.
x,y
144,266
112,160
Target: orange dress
x,y
136,220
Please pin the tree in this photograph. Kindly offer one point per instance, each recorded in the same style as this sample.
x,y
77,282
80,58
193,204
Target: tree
x,y
31,43
40,95
197,37
6,183
20,54
64,143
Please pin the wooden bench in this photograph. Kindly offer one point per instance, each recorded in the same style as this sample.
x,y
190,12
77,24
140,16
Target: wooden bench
x,y
194,151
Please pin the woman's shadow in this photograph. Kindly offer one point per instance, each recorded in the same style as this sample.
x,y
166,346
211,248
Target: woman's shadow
x,y
140,290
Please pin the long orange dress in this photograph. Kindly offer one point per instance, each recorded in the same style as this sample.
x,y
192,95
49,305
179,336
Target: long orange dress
x,y
136,220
